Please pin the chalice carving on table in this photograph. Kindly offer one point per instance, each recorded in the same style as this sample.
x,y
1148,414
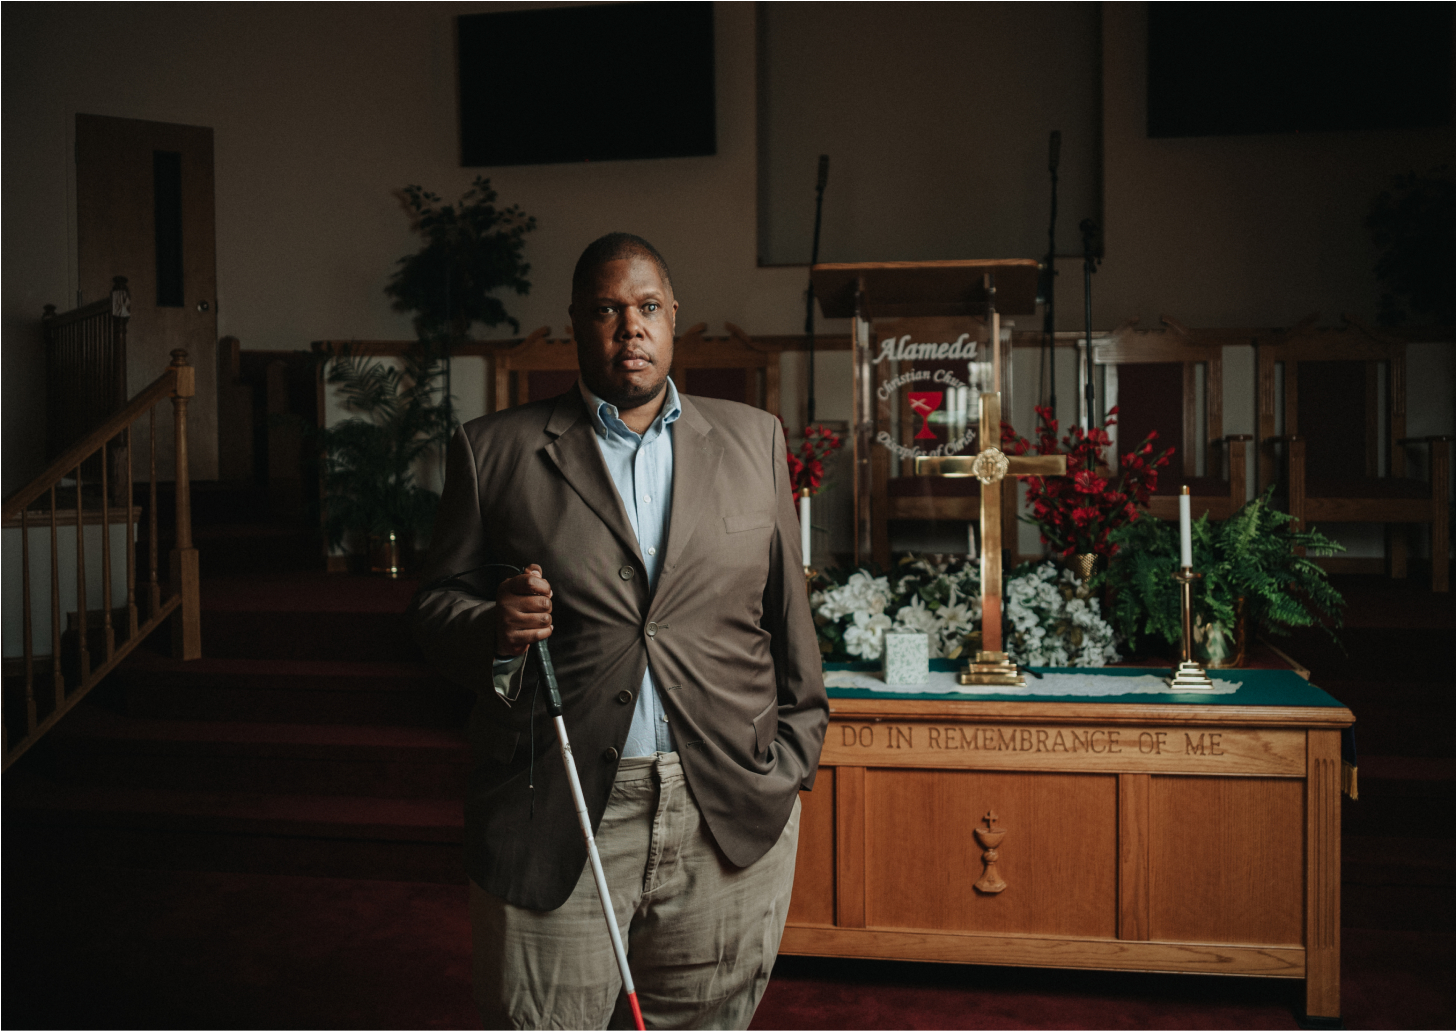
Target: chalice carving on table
x,y
990,838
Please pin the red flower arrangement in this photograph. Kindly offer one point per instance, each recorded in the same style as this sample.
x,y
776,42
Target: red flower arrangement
x,y
1077,512
806,469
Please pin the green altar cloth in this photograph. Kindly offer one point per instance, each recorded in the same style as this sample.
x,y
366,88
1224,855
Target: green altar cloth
x,y
1260,688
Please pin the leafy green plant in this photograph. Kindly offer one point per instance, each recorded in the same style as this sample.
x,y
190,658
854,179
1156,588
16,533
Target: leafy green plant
x,y
403,410
1251,555
369,465
472,249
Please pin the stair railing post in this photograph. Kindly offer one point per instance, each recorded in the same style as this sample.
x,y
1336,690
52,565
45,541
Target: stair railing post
x,y
187,621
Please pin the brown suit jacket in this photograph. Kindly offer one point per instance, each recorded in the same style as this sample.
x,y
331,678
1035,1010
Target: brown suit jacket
x,y
728,632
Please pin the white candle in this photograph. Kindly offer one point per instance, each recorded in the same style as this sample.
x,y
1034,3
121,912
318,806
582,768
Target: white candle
x,y
1185,526
804,525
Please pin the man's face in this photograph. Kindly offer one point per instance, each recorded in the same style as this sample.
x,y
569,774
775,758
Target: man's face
x,y
624,321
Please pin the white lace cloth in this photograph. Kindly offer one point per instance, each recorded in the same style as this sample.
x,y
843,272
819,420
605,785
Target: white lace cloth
x,y
1088,685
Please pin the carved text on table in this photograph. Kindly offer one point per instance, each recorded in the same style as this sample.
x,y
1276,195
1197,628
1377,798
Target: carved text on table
x,y
1222,749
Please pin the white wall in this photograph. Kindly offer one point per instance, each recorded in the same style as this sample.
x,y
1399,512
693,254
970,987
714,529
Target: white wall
x,y
958,99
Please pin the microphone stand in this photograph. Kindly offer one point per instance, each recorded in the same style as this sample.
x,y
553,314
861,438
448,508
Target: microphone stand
x,y
809,297
1049,326
1089,266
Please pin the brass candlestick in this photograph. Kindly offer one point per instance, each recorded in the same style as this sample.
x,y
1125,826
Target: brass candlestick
x,y
1189,674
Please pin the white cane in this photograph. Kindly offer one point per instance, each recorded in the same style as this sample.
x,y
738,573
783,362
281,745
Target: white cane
x,y
554,707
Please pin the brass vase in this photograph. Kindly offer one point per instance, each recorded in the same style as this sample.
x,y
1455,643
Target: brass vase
x,y
384,555
1085,564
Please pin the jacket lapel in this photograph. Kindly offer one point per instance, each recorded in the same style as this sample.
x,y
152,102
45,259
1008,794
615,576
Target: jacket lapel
x,y
695,458
579,458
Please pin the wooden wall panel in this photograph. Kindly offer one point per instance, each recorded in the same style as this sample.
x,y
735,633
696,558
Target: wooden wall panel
x,y
813,900
1227,860
1058,859
1133,867
849,847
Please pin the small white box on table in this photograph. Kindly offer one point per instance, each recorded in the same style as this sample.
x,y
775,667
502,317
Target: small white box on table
x,y
907,658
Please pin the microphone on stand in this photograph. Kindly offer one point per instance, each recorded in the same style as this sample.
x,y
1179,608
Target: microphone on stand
x,y
1049,325
820,184
1091,238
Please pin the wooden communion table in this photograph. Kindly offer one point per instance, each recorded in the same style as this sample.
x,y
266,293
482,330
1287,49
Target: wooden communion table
x,y
1133,832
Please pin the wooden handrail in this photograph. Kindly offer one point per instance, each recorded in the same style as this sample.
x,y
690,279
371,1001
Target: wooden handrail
x,y
77,667
164,386
95,308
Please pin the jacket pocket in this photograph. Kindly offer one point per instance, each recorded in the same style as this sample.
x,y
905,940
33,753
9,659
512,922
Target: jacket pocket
x,y
766,727
748,521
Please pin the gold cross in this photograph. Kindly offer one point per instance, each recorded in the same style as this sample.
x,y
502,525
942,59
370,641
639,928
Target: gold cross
x,y
991,466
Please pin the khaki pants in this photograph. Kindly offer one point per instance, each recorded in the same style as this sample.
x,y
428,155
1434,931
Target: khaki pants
x,y
701,934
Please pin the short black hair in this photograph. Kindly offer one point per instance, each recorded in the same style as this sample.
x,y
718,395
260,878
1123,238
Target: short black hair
x,y
611,248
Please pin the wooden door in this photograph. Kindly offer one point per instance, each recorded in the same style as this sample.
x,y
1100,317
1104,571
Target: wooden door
x,y
144,210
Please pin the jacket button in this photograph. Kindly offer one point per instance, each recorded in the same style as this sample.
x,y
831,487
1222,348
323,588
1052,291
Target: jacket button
x,y
609,755
626,572
624,696
652,630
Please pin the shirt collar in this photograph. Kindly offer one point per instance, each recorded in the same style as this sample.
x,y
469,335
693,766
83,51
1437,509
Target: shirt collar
x,y
605,417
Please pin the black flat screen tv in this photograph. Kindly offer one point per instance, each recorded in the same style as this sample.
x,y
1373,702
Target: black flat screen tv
x,y
606,82
1221,69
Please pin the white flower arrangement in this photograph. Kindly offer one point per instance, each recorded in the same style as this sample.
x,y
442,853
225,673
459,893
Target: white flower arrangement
x,y
1052,619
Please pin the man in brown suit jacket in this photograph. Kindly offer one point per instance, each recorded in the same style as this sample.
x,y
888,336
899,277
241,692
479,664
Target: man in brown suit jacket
x,y
711,624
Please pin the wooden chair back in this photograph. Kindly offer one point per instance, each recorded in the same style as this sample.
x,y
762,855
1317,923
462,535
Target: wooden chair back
x,y
1343,441
1328,381
537,368
1157,373
730,367
733,368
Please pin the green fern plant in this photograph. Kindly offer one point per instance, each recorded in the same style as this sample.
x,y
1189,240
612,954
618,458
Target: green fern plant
x,y
1253,555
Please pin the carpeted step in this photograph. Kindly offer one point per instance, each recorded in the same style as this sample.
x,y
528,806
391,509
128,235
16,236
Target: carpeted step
x,y
232,549
289,691
271,634
98,746
338,836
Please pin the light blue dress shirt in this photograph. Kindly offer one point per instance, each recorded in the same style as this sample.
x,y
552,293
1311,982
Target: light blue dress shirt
x,y
641,469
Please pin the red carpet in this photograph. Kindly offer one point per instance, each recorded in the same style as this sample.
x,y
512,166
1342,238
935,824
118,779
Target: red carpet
x,y
270,838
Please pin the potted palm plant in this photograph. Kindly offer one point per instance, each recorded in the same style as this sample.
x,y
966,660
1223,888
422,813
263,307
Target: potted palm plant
x,y
402,410
1256,574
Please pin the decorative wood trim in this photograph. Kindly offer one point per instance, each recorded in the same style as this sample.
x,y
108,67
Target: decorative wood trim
x,y
849,829
1322,876
1045,712
67,517
1134,861
1039,951
1023,746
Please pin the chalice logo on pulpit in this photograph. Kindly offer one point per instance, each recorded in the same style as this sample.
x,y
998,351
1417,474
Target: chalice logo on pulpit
x,y
925,402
